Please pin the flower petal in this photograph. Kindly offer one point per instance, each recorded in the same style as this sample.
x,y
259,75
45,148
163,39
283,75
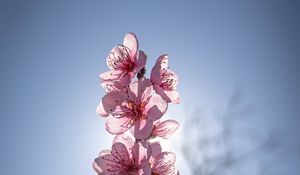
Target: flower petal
x,y
142,129
155,150
140,62
127,140
161,63
111,75
156,107
125,79
164,163
130,41
145,170
118,57
141,152
110,86
169,96
108,164
165,129
97,169
120,152
104,152
100,110
117,125
111,100
173,96
142,89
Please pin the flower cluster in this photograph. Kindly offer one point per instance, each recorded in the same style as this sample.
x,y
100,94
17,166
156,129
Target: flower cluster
x,y
132,108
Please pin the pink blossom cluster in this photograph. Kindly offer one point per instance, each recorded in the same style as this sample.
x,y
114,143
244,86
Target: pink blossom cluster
x,y
132,107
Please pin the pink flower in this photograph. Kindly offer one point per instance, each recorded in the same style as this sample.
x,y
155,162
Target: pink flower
x,y
162,163
133,105
125,61
165,129
110,86
137,158
124,158
164,80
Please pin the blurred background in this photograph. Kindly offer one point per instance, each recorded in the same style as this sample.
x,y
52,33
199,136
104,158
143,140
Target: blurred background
x,y
238,64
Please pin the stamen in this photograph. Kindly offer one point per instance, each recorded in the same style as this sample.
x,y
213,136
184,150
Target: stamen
x,y
120,57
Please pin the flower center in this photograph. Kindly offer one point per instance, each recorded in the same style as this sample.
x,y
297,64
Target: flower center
x,y
169,80
136,111
120,58
132,170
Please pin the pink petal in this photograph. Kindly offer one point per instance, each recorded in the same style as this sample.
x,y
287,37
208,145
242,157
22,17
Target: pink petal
x,y
112,86
172,171
169,96
165,129
104,152
164,163
100,110
155,150
130,41
126,140
146,170
119,58
125,79
108,164
156,107
174,77
173,96
161,63
97,169
140,62
161,92
142,129
125,172
111,75
141,152
111,100
142,89
117,125
108,86
120,152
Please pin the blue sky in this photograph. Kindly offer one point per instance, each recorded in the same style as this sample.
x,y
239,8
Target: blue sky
x,y
53,51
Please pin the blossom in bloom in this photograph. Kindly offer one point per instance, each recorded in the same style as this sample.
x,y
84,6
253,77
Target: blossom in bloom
x,y
162,163
164,80
124,61
165,128
128,157
124,158
135,106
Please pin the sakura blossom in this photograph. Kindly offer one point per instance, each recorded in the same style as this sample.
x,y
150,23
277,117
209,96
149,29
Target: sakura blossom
x,y
162,163
132,109
164,80
124,61
120,160
135,106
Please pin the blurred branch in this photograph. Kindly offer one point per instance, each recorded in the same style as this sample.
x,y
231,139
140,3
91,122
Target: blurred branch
x,y
220,145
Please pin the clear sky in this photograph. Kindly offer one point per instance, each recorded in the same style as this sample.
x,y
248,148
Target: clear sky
x,y
53,51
